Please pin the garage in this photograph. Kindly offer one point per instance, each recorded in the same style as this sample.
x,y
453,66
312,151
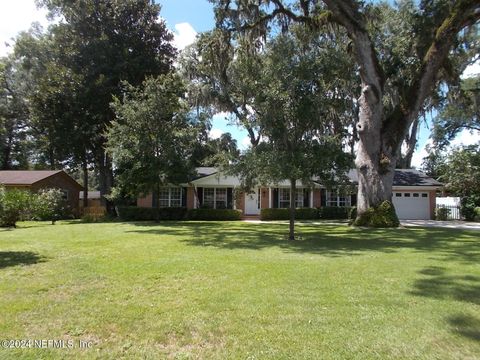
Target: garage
x,y
412,205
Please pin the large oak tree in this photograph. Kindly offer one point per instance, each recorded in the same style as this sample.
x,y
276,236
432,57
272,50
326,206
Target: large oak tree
x,y
437,31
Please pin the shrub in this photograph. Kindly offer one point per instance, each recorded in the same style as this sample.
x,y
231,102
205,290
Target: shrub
x,y
381,216
467,208
477,214
14,205
353,213
214,214
284,214
50,205
442,213
135,213
334,212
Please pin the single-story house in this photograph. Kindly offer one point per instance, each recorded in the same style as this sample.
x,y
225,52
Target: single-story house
x,y
35,180
414,194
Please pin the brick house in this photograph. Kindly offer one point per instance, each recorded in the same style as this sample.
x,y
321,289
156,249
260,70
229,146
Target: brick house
x,y
35,180
414,194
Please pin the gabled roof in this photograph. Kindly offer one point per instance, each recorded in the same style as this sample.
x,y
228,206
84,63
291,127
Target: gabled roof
x,y
25,177
30,177
204,171
403,177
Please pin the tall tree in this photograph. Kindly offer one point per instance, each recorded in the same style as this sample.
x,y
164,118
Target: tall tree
x,y
151,139
104,43
460,111
439,29
296,107
14,144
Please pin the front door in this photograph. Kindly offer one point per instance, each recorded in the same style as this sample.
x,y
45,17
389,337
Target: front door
x,y
252,203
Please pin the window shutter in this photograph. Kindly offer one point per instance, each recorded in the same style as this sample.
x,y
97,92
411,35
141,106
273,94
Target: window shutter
x,y
353,200
229,198
154,199
275,198
323,197
200,195
306,198
184,197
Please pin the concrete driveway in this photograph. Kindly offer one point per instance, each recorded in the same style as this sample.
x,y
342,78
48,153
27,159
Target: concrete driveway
x,y
452,224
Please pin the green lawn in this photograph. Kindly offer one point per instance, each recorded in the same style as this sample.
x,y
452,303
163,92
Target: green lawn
x,y
240,290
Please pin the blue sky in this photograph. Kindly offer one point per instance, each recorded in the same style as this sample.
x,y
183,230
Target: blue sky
x,y
185,18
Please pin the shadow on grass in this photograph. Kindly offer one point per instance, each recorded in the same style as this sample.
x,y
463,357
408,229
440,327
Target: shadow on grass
x,y
467,326
14,258
438,284
328,240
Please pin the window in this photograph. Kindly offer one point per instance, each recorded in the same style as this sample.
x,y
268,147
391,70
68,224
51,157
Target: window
x,y
215,198
335,198
424,195
284,198
406,194
416,195
221,198
170,197
64,194
209,198
398,194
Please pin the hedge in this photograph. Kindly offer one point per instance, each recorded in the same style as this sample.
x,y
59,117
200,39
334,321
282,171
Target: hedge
x,y
135,213
214,214
284,214
334,212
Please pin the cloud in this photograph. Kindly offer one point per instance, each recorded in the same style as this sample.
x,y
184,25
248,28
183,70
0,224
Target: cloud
x,y
16,16
464,138
472,70
245,143
183,35
215,133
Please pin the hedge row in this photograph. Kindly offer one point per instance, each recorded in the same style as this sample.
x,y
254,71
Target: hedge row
x,y
134,213
326,212
213,214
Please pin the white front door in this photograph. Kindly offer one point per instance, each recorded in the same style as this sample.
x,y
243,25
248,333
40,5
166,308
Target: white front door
x,y
252,203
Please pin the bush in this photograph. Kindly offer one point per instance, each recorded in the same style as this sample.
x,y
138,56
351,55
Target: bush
x,y
50,205
467,208
477,214
135,213
381,216
15,205
214,214
334,212
442,213
284,214
353,213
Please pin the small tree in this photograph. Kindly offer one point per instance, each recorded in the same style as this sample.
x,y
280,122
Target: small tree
x,y
151,139
297,112
50,205
14,205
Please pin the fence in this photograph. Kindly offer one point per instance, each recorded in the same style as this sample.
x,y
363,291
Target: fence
x,y
95,211
453,214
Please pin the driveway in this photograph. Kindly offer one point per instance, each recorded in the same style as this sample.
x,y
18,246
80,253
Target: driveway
x,y
452,224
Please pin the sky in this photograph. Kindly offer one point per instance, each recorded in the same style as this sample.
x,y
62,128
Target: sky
x,y
185,18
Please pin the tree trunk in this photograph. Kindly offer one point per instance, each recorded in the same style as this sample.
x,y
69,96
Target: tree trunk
x,y
85,181
157,203
405,162
106,179
293,198
375,165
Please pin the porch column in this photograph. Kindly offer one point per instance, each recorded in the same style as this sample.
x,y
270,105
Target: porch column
x,y
311,198
269,197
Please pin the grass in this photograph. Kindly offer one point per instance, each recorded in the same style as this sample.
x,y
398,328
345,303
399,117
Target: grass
x,y
240,290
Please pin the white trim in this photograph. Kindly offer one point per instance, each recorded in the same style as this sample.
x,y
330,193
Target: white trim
x,y
269,197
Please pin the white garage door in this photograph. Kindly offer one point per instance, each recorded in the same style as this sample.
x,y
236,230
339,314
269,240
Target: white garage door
x,y
412,205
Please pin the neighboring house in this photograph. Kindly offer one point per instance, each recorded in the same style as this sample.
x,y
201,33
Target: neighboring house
x,y
94,199
414,194
35,180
